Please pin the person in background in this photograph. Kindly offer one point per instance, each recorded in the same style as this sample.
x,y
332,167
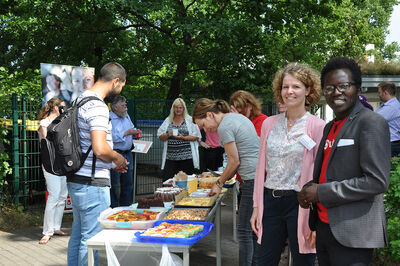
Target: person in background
x,y
351,173
390,110
56,185
181,142
243,102
288,146
89,188
241,143
212,151
364,101
123,131
281,107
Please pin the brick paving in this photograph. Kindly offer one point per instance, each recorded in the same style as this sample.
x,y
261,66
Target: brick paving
x,y
21,247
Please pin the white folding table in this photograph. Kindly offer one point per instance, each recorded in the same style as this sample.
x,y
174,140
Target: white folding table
x,y
125,239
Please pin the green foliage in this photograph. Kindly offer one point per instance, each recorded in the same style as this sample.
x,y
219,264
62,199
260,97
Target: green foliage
x,y
392,205
192,48
20,82
5,168
380,67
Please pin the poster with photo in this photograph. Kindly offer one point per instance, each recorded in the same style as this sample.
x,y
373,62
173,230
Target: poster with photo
x,y
65,82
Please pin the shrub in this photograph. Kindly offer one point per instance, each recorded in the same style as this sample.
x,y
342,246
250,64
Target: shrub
x,y
391,254
380,68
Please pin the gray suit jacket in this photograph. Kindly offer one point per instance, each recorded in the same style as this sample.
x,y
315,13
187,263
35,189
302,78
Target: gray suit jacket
x,y
357,175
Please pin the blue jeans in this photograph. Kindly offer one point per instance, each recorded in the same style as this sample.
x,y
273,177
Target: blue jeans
x,y
87,204
279,222
121,192
246,237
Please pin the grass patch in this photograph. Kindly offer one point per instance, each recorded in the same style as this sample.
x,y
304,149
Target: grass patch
x,y
11,218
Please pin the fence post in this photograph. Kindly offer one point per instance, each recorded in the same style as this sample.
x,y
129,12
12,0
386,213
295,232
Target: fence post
x,y
24,151
15,148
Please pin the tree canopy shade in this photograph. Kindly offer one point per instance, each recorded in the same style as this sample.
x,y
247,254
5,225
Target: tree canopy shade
x,y
191,48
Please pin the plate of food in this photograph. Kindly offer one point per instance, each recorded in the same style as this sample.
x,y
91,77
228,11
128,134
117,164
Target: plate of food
x,y
191,214
197,202
130,218
175,232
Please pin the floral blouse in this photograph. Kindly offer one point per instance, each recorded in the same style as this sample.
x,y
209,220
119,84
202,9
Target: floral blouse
x,y
284,154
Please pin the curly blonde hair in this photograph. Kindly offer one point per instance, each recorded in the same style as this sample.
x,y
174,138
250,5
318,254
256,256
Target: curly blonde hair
x,y
304,73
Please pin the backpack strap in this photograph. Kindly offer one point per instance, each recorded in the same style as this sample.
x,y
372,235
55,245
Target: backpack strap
x,y
80,104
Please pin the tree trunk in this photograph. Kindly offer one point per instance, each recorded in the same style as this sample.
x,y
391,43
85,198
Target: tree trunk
x,y
178,78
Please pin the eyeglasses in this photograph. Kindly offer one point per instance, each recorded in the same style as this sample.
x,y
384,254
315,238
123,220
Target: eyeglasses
x,y
340,87
61,108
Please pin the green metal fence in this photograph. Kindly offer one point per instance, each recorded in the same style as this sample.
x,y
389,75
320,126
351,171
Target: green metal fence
x,y
26,181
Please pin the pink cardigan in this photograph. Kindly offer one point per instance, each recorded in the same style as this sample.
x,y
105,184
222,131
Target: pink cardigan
x,y
314,129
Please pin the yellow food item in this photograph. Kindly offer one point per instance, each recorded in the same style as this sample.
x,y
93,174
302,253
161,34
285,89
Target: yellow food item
x,y
188,201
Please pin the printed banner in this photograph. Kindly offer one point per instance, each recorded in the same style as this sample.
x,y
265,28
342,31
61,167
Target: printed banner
x,y
65,82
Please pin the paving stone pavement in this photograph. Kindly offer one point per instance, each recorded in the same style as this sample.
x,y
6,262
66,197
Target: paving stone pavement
x,y
21,247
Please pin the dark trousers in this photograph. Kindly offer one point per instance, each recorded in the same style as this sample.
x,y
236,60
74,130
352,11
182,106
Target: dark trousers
x,y
395,148
121,191
213,158
247,238
279,222
331,253
173,167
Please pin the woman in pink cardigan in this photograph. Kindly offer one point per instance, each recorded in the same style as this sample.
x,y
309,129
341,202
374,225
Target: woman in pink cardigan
x,y
288,144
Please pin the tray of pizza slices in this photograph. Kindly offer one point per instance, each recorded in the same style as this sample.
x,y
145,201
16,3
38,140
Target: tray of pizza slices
x,y
130,217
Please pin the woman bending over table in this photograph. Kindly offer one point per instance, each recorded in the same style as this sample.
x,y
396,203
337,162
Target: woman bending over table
x,y
239,138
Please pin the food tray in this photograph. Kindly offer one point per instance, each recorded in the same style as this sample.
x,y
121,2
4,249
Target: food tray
x,y
212,202
230,183
135,225
189,209
177,241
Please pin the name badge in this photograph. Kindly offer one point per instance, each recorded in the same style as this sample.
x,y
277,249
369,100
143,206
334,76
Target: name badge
x,y
307,142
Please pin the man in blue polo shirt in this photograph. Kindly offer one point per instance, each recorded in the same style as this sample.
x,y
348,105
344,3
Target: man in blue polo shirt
x,y
123,131
390,110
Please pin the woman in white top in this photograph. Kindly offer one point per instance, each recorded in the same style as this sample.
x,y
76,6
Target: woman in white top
x,y
180,136
56,185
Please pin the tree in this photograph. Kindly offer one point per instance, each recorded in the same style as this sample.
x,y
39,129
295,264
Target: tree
x,y
192,48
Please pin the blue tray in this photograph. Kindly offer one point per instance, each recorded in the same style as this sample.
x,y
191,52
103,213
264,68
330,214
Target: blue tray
x,y
176,241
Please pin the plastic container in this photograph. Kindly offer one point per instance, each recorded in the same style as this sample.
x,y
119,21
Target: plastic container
x,y
182,184
177,241
135,225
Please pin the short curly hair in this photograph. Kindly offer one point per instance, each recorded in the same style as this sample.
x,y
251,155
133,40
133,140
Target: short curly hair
x,y
342,63
304,73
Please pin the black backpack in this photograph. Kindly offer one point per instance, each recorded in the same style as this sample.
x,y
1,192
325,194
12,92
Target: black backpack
x,y
61,151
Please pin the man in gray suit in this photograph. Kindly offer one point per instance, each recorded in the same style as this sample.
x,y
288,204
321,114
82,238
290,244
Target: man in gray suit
x,y
351,173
